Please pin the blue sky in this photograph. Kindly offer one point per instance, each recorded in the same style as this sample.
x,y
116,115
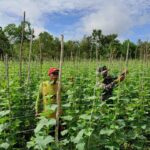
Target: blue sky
x,y
59,23
129,19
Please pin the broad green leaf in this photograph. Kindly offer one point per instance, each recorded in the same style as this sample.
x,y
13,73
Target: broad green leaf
x,y
79,136
64,132
30,144
65,141
39,141
92,97
111,148
44,122
3,126
53,107
106,132
85,116
68,118
5,145
66,105
80,146
38,128
4,113
48,140
143,126
40,125
89,131
42,142
51,122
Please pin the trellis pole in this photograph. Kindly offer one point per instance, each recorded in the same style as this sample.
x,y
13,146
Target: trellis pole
x,y
7,84
146,54
127,55
21,45
30,51
91,52
40,46
59,91
96,52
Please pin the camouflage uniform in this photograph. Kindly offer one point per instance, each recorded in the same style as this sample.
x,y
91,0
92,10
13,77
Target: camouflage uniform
x,y
108,84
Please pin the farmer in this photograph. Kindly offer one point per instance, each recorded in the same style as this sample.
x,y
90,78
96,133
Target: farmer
x,y
47,95
46,100
109,82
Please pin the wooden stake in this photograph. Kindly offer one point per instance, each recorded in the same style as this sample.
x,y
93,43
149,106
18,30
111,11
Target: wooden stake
x,y
7,79
136,52
91,52
40,46
97,61
28,78
96,53
59,91
21,45
145,53
127,54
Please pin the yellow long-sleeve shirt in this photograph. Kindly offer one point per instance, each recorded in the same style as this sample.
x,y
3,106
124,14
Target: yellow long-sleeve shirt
x,y
46,100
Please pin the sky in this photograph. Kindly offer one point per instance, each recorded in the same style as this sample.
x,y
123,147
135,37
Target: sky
x,y
130,19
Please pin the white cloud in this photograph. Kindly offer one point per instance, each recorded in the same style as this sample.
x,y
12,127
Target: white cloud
x,y
116,16
112,16
38,30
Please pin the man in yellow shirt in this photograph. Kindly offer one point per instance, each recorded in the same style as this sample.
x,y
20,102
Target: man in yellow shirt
x,y
46,100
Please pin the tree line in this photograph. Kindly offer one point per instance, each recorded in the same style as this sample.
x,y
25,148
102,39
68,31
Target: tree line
x,y
94,46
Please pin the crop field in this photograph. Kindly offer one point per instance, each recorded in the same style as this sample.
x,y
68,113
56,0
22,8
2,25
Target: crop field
x,y
90,123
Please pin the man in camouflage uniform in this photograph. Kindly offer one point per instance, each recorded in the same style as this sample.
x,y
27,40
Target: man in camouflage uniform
x,y
109,82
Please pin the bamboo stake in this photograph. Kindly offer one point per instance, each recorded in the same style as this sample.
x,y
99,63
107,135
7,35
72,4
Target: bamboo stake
x,y
71,56
40,56
30,51
110,55
21,45
96,60
91,52
136,53
127,55
59,91
96,53
146,52
7,86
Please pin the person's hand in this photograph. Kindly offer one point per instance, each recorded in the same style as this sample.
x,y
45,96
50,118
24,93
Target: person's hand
x,y
125,72
119,79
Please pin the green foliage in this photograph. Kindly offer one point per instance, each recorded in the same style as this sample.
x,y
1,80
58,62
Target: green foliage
x,y
4,42
108,46
42,138
89,123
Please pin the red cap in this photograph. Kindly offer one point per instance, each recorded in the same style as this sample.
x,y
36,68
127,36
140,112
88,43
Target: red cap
x,y
51,70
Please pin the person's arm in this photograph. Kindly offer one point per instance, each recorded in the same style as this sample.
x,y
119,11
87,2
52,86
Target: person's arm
x,y
122,76
108,86
39,101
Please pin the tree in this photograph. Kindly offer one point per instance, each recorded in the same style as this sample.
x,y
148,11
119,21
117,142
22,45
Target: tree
x,y
46,41
4,43
13,32
132,49
85,47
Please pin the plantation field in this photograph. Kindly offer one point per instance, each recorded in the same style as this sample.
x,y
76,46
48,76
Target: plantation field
x,y
90,124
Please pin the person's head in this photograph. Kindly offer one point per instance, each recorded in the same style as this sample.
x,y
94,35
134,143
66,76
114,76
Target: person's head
x,y
53,74
103,71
